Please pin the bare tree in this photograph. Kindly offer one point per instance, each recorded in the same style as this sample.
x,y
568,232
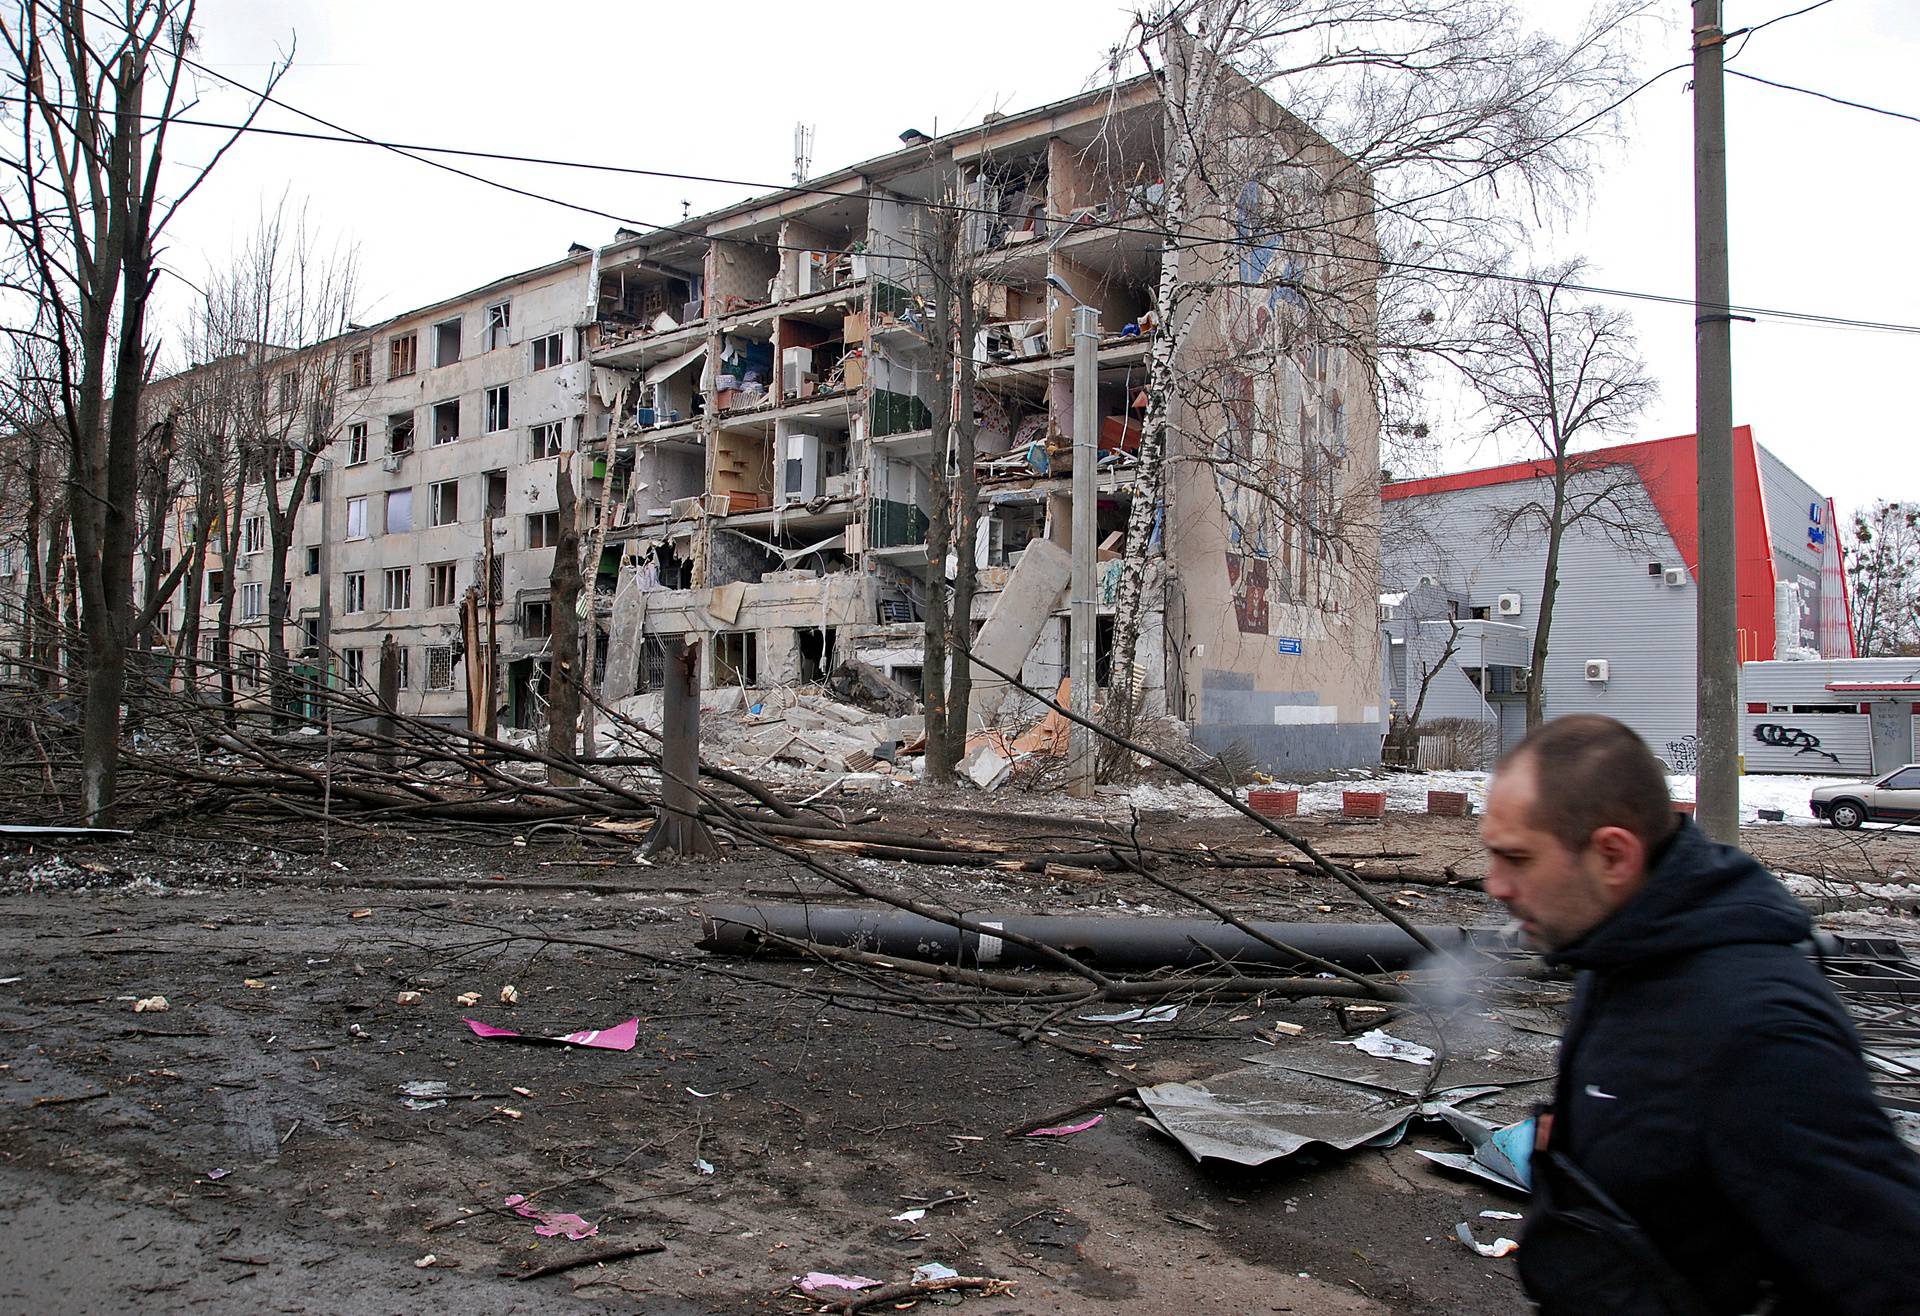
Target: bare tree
x,y
35,506
1351,222
1883,576
83,207
1559,373
287,309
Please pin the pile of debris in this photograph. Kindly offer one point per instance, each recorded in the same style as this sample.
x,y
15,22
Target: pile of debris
x,y
805,728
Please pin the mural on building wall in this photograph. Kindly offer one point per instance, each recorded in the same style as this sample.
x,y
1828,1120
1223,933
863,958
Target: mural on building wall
x,y
1683,755
1280,455
1775,736
1247,577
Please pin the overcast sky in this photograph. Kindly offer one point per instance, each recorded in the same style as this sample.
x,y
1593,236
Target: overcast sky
x,y
1821,196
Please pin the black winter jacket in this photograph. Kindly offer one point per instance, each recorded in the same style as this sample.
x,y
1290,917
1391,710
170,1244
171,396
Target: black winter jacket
x,y
1711,1085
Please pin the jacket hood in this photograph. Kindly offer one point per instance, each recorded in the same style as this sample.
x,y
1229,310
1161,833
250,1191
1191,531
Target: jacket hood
x,y
1699,895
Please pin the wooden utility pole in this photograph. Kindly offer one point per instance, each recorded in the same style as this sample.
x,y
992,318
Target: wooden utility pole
x,y
563,647
1717,686
389,692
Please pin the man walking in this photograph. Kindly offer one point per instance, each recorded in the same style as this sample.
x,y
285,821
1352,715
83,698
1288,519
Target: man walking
x,y
1714,1144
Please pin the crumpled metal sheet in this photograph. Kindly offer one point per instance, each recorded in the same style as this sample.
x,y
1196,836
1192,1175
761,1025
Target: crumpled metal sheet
x,y
1256,1115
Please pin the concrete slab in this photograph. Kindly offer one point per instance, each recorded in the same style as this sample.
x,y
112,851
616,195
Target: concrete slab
x,y
1032,593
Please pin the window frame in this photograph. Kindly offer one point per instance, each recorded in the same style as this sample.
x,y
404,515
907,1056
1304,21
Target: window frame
x,y
357,503
497,417
553,347
458,325
434,518
390,577
540,434
357,443
360,368
449,573
498,329
386,512
353,593
403,347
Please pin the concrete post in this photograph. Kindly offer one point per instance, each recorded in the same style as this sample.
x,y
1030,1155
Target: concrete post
x,y
1081,594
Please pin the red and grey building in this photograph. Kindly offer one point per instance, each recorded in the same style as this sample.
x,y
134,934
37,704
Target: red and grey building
x,y
1623,638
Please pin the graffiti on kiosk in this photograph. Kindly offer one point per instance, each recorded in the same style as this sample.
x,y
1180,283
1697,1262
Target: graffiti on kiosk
x,y
1774,735
1683,755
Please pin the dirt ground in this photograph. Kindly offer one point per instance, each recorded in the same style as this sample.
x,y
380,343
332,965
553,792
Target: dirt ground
x,y
251,1149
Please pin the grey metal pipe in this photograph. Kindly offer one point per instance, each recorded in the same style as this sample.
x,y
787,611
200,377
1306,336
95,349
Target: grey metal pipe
x,y
1099,941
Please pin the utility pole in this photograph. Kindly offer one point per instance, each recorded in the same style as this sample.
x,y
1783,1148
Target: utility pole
x,y
1717,787
1086,463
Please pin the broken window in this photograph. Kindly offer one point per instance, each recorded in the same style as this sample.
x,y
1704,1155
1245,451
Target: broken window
x,y
250,667
653,664
285,466
310,629
288,387
357,518
253,534
536,620
400,432
399,511
499,321
446,422
736,658
496,586
402,661
313,559
360,368
403,355
498,417
314,485
548,440
439,667
543,530
443,503
253,602
548,352
353,666
446,342
496,493
356,592
442,580
356,445
397,588
816,652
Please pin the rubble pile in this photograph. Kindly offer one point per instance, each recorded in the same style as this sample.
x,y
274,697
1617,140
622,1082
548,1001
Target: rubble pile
x,y
802,728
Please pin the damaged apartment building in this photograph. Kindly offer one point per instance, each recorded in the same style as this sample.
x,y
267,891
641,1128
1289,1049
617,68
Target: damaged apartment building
x,y
744,404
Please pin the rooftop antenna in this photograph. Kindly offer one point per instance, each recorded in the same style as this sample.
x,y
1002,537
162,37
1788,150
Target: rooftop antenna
x,y
686,207
802,151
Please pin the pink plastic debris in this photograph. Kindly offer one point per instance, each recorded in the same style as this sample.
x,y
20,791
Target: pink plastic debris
x,y
620,1037
1063,1130
815,1280
552,1223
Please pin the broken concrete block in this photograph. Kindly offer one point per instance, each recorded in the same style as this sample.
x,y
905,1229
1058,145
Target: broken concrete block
x,y
867,687
986,767
1010,630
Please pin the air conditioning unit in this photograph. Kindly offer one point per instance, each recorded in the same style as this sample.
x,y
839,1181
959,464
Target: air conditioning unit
x,y
1676,576
1522,678
1509,605
1597,670
391,462
803,472
796,367
1429,580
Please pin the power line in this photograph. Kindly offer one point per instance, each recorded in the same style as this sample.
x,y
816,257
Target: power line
x,y
1821,95
1251,241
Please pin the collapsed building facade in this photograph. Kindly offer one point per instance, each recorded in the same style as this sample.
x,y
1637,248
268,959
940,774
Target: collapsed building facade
x,y
744,405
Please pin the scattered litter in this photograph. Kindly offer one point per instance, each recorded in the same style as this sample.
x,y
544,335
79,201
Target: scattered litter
x,y
8,982
815,1280
1501,1215
1158,1014
620,1037
703,1165
1379,1042
918,1213
508,1111
253,984
1065,1130
425,1261
150,1005
1498,1248
934,1270
552,1223
1289,1030
425,1094
1499,1155
215,1176
693,1093
525,1092
359,913
467,998
509,995
408,998
1192,1222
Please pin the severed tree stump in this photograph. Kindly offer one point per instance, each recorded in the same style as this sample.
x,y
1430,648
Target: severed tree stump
x,y
677,828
